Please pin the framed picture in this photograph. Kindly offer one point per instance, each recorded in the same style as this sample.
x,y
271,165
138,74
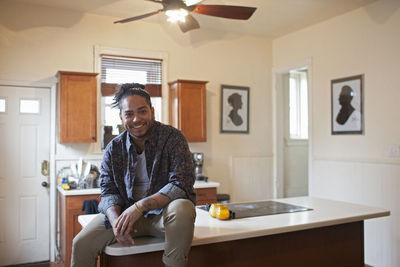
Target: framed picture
x,y
234,109
347,105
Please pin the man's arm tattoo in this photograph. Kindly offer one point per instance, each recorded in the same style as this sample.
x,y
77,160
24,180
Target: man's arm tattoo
x,y
156,201
150,203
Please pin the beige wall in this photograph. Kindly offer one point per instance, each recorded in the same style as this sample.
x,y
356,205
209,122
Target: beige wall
x,y
356,168
36,42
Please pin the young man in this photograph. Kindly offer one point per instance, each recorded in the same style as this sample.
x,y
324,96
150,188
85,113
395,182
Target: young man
x,y
147,178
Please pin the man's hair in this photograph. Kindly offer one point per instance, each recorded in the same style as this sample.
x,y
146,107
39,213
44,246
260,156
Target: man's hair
x,y
128,89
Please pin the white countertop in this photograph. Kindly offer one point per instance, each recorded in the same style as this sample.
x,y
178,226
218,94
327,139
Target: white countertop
x,y
202,184
210,230
325,213
79,192
94,191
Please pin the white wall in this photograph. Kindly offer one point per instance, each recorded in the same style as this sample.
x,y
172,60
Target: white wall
x,y
356,168
36,42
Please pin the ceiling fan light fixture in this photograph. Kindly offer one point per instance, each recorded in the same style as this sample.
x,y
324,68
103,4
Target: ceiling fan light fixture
x,y
179,11
191,2
175,15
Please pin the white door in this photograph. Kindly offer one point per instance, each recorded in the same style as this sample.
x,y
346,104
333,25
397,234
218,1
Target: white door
x,y
24,202
295,134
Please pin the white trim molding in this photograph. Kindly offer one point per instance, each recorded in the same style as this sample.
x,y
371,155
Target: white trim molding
x,y
29,84
380,161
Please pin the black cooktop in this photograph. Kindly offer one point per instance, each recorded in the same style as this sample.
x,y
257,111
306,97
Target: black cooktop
x,y
260,208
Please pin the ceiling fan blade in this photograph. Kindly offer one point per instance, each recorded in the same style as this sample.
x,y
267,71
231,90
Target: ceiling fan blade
x,y
190,24
225,11
139,17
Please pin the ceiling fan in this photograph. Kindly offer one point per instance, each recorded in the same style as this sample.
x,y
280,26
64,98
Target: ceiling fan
x,y
179,11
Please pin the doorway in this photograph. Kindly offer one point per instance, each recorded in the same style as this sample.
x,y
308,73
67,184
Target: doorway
x,y
292,135
24,201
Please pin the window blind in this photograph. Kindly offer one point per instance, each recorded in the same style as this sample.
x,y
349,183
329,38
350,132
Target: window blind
x,y
116,70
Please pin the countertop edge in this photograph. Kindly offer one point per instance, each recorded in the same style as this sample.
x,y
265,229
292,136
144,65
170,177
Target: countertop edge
x,y
284,229
79,192
94,191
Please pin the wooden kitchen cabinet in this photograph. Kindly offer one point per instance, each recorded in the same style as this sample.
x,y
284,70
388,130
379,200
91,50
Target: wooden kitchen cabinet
x,y
206,195
187,108
70,207
77,107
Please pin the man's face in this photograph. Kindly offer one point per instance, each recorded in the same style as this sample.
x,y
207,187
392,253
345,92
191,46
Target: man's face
x,y
136,116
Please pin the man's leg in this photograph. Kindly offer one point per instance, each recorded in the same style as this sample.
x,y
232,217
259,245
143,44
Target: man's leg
x,y
89,243
177,221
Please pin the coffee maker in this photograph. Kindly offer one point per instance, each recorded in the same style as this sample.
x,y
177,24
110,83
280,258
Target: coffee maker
x,y
198,159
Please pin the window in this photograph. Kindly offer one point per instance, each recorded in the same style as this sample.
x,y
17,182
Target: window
x,y
31,106
117,70
298,104
2,105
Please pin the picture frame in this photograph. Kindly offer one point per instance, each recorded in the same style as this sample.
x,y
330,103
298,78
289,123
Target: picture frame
x,y
347,105
235,109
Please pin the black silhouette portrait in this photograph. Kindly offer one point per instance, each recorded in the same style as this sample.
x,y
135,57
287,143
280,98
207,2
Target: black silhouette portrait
x,y
235,101
345,98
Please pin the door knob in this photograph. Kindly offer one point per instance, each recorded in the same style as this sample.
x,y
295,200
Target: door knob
x,y
44,184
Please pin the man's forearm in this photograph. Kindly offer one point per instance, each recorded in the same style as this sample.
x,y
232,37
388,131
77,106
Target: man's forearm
x,y
113,213
153,202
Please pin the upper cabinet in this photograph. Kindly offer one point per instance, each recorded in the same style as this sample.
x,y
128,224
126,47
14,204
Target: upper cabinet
x,y
187,108
77,106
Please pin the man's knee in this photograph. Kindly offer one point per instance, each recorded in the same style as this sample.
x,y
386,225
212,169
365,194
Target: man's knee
x,y
181,211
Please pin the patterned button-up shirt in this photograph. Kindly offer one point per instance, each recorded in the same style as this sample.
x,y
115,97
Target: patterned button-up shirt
x,y
169,166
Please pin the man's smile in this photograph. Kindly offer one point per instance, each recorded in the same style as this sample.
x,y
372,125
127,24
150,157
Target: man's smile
x,y
138,126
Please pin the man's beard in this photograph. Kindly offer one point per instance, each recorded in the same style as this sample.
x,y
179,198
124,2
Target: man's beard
x,y
142,136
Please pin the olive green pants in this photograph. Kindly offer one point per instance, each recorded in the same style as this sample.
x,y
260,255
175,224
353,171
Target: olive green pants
x,y
175,223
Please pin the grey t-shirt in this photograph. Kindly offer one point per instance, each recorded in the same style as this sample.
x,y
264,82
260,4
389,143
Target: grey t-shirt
x,y
142,181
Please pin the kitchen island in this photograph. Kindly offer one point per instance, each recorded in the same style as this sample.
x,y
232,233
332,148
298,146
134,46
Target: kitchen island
x,y
331,234
70,207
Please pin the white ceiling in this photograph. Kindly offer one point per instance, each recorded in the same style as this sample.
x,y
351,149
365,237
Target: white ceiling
x,y
272,18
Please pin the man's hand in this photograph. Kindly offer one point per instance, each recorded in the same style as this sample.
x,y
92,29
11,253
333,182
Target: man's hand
x,y
113,215
123,239
124,223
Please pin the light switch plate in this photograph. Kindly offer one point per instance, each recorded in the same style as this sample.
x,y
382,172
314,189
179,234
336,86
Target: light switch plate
x,y
394,151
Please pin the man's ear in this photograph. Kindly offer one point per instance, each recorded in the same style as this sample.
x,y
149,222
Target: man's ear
x,y
120,116
152,113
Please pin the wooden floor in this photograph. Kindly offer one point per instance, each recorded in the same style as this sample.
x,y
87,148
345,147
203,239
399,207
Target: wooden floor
x,y
38,264
53,264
